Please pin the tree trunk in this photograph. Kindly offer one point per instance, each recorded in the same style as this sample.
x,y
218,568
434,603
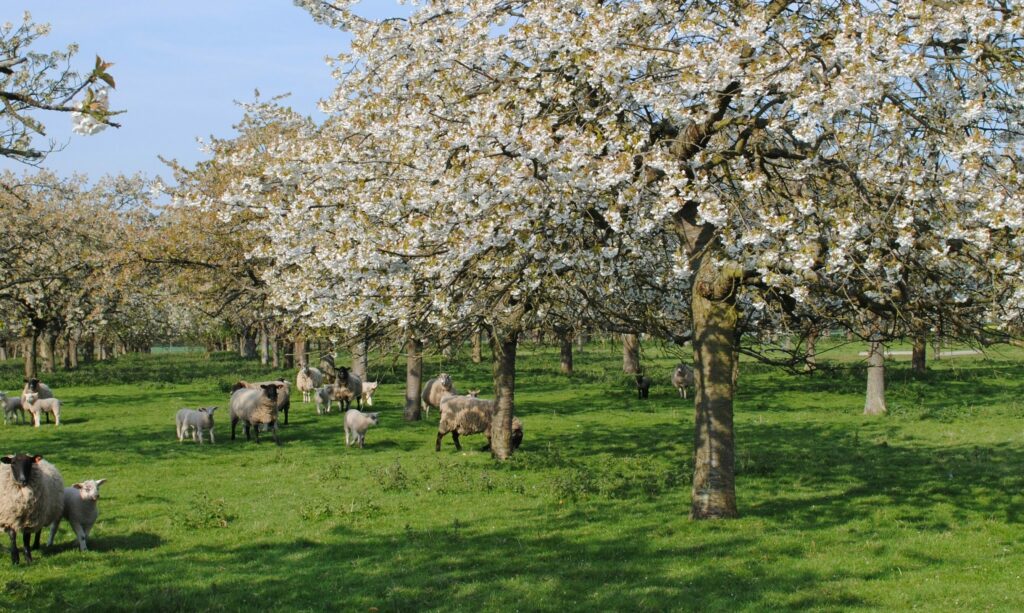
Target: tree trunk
x,y
476,353
565,342
630,354
264,346
49,352
715,369
874,403
413,378
811,361
581,340
31,354
360,359
71,361
917,361
301,353
275,353
503,348
248,345
3,352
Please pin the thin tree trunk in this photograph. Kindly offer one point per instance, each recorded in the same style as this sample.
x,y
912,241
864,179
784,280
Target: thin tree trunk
x,y
503,348
275,353
630,354
3,352
715,368
249,345
581,340
811,361
360,359
565,342
476,353
918,361
72,354
413,379
874,402
49,352
301,353
31,355
264,346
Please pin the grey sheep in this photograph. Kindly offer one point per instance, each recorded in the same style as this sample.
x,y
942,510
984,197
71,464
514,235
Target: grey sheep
x,y
308,380
36,406
79,510
356,425
255,407
13,410
463,415
283,393
31,497
682,378
195,420
435,389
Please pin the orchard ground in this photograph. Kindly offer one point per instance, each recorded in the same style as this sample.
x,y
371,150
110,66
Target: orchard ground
x,y
922,508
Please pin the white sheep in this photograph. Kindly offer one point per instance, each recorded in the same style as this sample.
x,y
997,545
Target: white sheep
x,y
283,393
435,389
35,386
369,388
356,425
31,497
13,411
254,407
308,380
682,378
195,420
462,415
38,406
79,510
324,398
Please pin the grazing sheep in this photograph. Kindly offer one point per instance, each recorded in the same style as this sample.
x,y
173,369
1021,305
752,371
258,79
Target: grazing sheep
x,y
255,407
643,386
369,388
79,510
434,390
356,425
283,393
308,380
354,385
31,497
35,386
462,415
682,378
36,406
195,420
13,410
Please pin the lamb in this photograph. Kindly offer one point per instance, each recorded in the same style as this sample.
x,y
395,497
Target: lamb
x,y
356,425
79,510
435,389
254,407
369,388
36,405
308,380
283,393
196,420
13,409
682,378
31,497
36,386
643,386
462,415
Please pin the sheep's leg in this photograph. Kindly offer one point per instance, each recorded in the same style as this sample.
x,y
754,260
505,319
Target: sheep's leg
x,y
234,422
53,532
211,435
199,434
347,444
286,416
255,428
273,431
81,534
14,546
437,447
455,439
39,535
26,536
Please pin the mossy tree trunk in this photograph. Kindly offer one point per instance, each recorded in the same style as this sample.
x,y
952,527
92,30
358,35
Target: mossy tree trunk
x,y
413,378
31,353
630,354
300,352
918,363
476,354
874,402
811,361
360,359
504,344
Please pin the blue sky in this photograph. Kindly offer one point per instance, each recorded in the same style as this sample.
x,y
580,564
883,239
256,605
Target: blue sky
x,y
179,66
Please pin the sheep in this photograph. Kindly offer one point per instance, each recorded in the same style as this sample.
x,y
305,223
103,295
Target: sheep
x,y
283,393
196,420
682,378
36,386
369,388
36,405
354,385
462,415
434,390
324,396
308,380
79,510
356,425
643,386
13,409
254,407
31,497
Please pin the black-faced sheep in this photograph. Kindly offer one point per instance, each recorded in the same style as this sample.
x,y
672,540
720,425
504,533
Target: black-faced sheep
x,y
354,385
682,378
254,407
79,510
196,421
31,497
434,390
308,381
283,393
356,425
463,415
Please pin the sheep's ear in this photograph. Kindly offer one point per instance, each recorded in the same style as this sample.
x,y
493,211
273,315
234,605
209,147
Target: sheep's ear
x,y
77,486
37,458
100,482
7,459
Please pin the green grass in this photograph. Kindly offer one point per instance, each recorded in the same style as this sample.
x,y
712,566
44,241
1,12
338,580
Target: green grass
x,y
920,509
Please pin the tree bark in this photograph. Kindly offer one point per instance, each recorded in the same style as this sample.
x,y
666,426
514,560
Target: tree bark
x,y
71,361
476,353
248,349
360,359
811,361
918,362
874,402
630,354
49,351
413,379
565,342
264,346
275,353
3,352
503,348
715,360
31,355
301,354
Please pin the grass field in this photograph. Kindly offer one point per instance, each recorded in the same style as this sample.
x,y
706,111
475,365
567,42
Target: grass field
x,y
920,509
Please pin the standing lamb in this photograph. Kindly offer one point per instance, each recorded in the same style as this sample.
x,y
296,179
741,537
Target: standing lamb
x,y
643,387
356,424
36,405
254,407
434,390
35,386
31,497
195,420
13,410
462,415
308,380
79,510
682,378
369,388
